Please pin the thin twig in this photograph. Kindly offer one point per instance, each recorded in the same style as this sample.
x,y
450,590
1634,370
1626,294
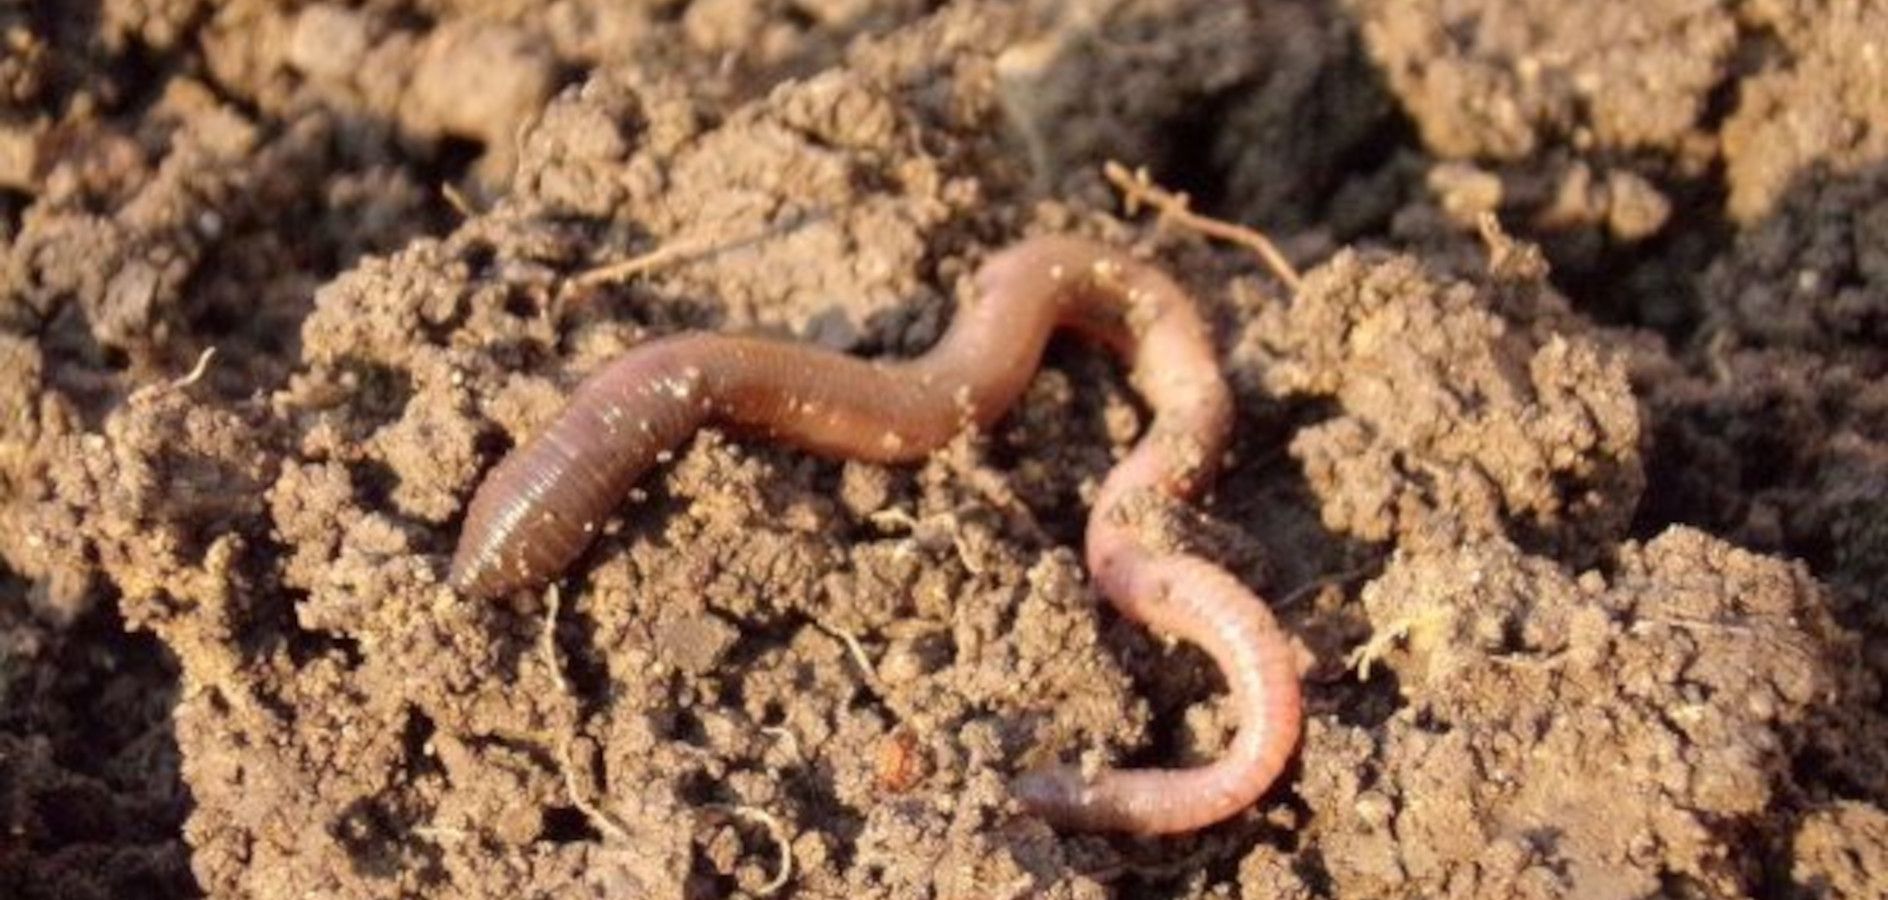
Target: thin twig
x,y
857,651
601,818
894,517
637,265
548,639
1137,187
1347,576
457,200
438,834
775,829
196,373
684,249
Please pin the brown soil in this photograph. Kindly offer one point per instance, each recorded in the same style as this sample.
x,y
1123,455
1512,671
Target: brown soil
x,y
1582,521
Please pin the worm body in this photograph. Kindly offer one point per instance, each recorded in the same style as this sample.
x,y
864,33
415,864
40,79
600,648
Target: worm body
x,y
540,507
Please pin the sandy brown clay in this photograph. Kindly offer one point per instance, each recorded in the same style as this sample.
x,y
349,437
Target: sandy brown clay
x,y
541,506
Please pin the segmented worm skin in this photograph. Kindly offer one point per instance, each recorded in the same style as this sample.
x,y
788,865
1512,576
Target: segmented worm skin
x,y
539,508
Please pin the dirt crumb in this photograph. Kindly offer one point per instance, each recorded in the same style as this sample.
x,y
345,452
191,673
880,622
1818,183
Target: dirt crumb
x,y
1501,80
1455,421
1817,102
1838,852
1597,682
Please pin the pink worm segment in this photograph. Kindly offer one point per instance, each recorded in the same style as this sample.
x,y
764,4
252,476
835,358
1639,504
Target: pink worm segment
x,y
540,507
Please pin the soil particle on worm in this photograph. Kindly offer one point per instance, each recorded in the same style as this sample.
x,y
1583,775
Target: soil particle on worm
x,y
1587,609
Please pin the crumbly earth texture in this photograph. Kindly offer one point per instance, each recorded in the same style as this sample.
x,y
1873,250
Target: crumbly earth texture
x,y
1566,463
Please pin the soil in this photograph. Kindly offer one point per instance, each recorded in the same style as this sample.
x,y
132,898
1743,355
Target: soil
x,y
1567,463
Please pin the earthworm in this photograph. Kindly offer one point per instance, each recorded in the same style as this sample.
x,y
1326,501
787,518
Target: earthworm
x,y
540,507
